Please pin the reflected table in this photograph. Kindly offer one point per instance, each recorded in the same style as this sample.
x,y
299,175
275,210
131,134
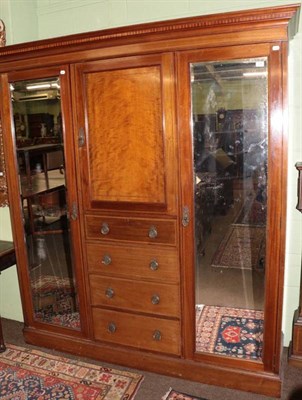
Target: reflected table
x,y
39,149
7,259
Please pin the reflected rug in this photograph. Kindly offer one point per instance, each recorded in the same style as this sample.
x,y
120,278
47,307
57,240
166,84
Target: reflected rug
x,y
175,395
253,212
35,375
242,247
227,331
54,301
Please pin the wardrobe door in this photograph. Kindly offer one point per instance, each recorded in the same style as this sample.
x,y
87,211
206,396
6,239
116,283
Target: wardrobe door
x,y
43,201
232,176
125,131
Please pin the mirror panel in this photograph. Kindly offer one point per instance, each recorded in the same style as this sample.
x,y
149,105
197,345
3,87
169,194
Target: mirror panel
x,y
39,142
230,139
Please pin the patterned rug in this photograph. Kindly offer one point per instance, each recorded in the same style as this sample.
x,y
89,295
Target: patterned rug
x,y
174,395
35,375
54,301
253,212
242,247
234,332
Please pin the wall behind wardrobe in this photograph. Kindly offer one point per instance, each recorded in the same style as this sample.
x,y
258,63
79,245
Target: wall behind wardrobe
x,y
40,19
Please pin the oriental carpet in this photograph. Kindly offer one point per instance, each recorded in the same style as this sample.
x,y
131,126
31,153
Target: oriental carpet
x,y
234,332
242,247
35,375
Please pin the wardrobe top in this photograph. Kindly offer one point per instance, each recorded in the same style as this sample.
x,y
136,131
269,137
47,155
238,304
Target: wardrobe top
x,y
283,19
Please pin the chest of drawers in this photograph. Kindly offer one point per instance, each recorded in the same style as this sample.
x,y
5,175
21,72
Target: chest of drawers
x,y
134,282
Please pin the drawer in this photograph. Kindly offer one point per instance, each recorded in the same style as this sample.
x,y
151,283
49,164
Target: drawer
x,y
141,332
131,229
149,262
147,297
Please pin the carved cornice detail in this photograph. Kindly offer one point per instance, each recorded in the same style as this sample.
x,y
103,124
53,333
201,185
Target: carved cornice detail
x,y
173,26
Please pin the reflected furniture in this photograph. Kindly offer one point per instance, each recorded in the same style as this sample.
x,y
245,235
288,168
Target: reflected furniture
x,y
42,150
295,348
7,259
128,167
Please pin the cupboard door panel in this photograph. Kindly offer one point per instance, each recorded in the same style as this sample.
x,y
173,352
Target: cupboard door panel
x,y
125,116
125,135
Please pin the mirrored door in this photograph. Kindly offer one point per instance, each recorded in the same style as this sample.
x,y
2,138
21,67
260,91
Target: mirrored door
x,y
231,148
46,188
230,139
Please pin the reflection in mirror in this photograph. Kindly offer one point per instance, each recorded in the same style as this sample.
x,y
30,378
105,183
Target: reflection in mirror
x,y
229,120
40,157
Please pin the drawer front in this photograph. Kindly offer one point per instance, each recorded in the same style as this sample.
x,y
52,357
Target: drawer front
x,y
131,229
147,297
150,262
149,333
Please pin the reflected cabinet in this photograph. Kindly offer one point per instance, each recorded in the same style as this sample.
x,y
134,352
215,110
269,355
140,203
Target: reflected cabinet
x,y
147,187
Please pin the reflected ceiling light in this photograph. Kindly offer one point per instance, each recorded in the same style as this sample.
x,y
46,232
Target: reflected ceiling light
x,y
255,74
38,86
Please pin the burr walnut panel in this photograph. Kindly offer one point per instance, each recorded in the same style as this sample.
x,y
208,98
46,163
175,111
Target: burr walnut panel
x,y
141,332
148,262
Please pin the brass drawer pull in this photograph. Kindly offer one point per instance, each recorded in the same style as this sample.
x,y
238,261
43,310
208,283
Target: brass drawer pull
x,y
111,327
156,335
153,265
105,228
106,260
109,293
153,232
155,299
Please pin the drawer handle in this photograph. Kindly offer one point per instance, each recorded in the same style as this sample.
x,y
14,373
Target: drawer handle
x,y
111,327
152,232
155,299
105,228
106,260
153,265
109,293
157,335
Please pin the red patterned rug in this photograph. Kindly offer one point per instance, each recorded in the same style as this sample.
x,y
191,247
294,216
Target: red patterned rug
x,y
35,375
253,212
243,247
54,301
175,395
234,332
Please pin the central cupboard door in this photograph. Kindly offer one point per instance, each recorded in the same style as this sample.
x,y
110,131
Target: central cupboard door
x,y
128,175
125,132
